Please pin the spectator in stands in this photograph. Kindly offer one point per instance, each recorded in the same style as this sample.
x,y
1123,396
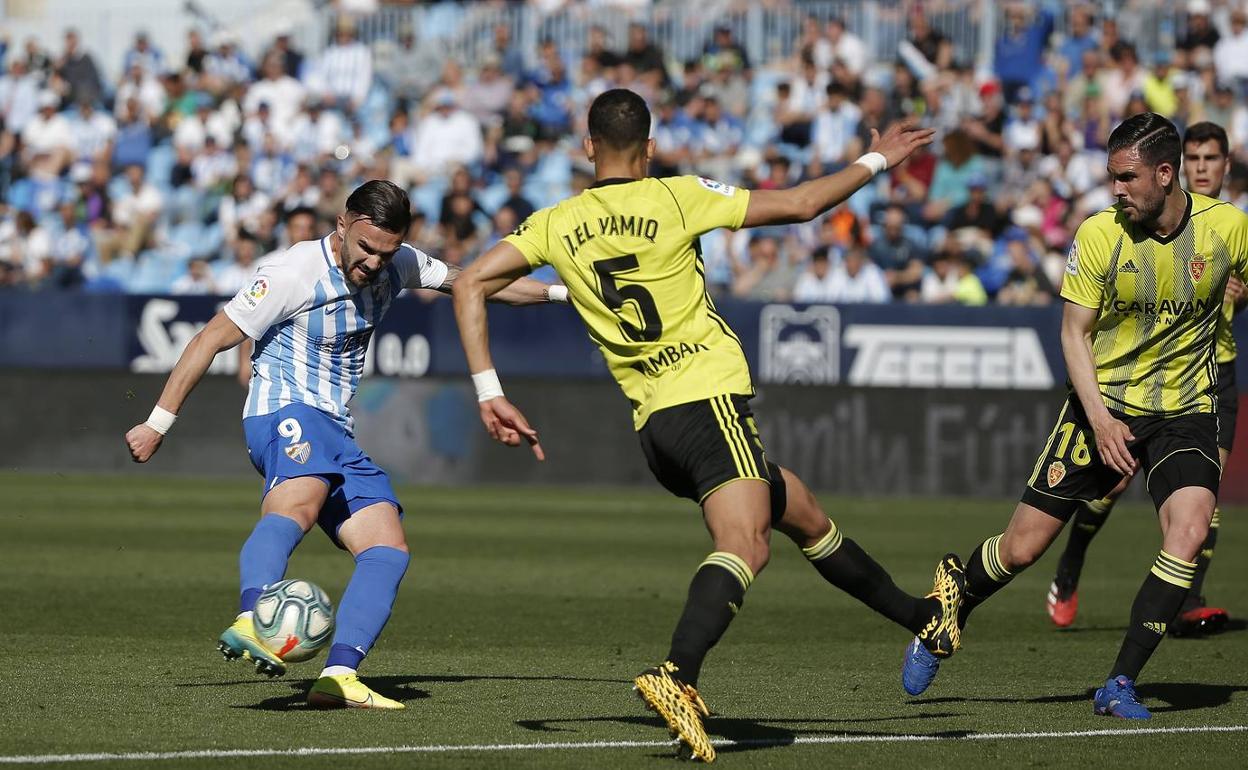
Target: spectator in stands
x,y
71,245
144,55
900,257
487,97
853,280
196,280
445,137
508,52
846,47
282,93
37,60
978,211
47,140
1026,283
724,52
78,71
94,133
951,279
1019,53
196,52
240,210
516,201
343,74
834,133
291,57
770,276
238,272
1158,86
19,95
1122,79
33,249
935,47
949,184
645,57
144,89
1230,55
134,135
225,66
717,138
134,215
1198,32
1080,38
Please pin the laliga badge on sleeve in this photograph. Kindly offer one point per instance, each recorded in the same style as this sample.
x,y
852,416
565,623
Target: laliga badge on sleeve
x,y
256,292
725,190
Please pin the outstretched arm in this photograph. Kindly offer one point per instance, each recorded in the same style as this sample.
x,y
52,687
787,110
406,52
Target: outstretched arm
x,y
490,274
1111,433
810,199
521,291
220,334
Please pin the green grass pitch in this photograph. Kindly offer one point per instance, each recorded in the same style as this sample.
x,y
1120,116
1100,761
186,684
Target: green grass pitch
x,y
526,612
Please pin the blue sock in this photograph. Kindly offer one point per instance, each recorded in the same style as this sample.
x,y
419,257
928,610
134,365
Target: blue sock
x,y
262,560
365,605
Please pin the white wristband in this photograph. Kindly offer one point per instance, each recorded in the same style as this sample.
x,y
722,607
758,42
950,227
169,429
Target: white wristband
x,y
161,420
488,386
556,293
874,161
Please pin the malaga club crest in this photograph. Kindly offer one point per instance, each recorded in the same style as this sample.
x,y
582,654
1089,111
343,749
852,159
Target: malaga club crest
x,y
299,452
1057,472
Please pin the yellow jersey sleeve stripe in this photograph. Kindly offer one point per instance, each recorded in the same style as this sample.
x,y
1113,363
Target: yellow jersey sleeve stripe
x,y
743,441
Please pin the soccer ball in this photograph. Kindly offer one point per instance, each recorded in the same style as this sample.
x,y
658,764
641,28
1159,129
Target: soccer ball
x,y
294,619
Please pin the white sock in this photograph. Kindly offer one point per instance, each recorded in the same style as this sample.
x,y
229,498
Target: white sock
x,y
337,670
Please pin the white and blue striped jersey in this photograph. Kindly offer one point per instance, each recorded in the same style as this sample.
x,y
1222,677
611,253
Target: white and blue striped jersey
x,y
312,326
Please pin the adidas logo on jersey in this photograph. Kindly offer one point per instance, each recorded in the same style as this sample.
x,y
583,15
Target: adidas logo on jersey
x,y
1129,267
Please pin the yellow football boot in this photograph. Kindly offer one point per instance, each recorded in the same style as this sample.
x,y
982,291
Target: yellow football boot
x,y
942,636
680,706
346,691
239,641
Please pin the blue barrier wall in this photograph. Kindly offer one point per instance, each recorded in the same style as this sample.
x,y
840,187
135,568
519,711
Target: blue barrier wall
x,y
857,345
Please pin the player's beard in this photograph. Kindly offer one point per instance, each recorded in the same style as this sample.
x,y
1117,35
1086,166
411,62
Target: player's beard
x,y
349,269
1146,210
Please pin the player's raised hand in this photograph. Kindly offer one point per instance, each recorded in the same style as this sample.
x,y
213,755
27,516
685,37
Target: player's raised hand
x,y
899,140
1112,436
143,442
506,424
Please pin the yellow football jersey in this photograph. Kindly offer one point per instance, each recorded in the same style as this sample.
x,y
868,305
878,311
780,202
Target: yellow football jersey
x,y
628,252
1226,334
1159,303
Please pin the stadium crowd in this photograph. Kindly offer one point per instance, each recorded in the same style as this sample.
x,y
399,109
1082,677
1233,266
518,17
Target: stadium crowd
x,y
184,174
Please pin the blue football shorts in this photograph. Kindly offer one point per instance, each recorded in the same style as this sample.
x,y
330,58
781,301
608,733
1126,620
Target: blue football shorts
x,y
299,440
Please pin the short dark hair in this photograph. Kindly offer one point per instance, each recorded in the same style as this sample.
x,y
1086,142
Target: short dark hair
x,y
1154,137
383,203
619,119
1205,131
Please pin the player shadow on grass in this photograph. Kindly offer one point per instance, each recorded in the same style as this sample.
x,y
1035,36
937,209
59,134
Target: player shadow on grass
x,y
746,734
396,687
1181,696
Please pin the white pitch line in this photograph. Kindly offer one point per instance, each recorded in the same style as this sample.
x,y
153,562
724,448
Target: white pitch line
x,y
147,756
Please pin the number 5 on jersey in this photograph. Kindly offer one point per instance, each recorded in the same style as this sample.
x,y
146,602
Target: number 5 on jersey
x,y
617,297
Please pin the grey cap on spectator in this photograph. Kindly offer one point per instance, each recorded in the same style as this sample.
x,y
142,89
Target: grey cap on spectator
x,y
48,99
1199,7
